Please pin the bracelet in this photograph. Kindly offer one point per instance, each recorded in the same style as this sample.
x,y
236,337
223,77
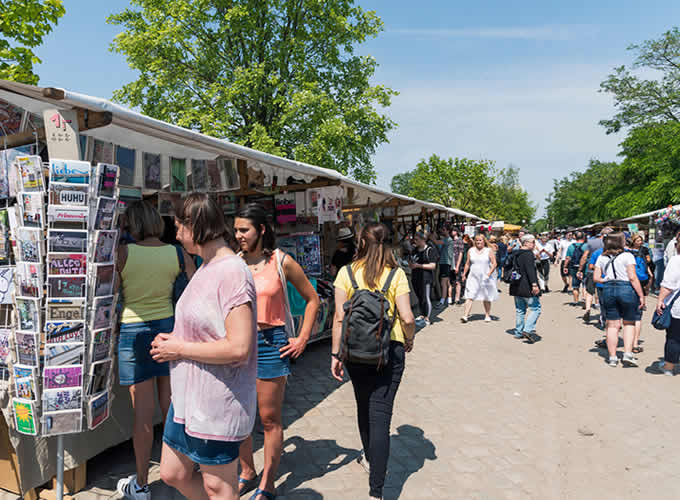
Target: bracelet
x,y
336,356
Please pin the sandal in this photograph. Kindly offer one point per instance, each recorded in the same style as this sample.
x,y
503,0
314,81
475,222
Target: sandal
x,y
266,494
248,485
637,350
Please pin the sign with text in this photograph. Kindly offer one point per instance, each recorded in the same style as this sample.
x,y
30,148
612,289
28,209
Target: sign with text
x,y
61,133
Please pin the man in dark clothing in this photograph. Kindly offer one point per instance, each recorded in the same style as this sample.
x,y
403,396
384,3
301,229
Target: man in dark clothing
x,y
526,291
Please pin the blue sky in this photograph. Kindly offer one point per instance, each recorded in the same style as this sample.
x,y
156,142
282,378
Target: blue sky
x,y
514,82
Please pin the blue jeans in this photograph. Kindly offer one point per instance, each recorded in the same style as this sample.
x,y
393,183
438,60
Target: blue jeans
x,y
526,322
658,273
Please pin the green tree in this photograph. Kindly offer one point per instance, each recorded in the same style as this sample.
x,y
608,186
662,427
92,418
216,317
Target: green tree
x,y
512,201
401,183
281,76
23,25
641,101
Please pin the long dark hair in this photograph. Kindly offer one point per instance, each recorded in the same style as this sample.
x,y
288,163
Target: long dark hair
x,y
257,215
374,252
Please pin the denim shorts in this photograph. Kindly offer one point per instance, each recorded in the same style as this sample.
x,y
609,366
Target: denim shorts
x,y
619,301
270,364
135,364
200,451
575,282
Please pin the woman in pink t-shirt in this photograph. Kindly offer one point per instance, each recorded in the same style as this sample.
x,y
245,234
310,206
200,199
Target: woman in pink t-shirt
x,y
213,360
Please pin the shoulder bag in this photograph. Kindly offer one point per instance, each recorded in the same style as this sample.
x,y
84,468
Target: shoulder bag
x,y
663,321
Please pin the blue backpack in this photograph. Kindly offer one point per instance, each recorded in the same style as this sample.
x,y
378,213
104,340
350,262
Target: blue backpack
x,y
640,266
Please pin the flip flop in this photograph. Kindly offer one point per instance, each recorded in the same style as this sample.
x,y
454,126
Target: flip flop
x,y
248,485
266,494
637,350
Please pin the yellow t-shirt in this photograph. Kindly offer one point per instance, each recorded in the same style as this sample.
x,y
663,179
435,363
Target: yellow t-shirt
x,y
398,287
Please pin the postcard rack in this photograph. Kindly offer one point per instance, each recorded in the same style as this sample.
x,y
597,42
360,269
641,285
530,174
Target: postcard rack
x,y
64,297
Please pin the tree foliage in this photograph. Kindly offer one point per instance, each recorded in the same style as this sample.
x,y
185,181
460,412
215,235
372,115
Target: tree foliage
x,y
281,76
472,185
23,25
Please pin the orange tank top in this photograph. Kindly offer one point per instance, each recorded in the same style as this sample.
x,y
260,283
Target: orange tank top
x,y
271,308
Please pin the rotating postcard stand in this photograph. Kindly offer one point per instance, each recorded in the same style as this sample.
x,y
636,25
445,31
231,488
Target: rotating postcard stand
x,y
65,300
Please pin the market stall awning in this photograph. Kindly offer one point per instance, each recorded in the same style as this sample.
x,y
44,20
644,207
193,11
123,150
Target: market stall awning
x,y
138,132
511,227
649,214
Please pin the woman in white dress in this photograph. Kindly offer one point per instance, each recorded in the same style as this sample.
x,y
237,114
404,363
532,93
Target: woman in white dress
x,y
481,282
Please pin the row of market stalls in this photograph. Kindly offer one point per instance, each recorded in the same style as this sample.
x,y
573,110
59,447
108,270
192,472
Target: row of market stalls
x,y
160,162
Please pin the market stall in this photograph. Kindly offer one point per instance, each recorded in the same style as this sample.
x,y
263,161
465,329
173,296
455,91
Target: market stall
x,y
160,162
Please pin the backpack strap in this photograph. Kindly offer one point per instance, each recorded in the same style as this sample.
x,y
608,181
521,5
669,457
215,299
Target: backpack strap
x,y
610,263
388,281
180,258
351,276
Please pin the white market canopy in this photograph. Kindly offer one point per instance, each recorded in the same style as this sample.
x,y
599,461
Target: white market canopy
x,y
648,214
141,133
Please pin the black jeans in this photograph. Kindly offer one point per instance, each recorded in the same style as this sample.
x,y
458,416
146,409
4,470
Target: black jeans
x,y
423,290
544,269
375,392
671,351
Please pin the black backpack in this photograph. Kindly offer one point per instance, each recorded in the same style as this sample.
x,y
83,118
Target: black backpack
x,y
511,269
575,262
432,253
367,324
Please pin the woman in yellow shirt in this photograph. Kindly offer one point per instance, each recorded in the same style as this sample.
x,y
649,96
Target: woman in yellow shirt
x,y
375,390
148,269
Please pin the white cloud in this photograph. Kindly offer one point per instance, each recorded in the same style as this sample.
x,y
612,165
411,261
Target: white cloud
x,y
546,32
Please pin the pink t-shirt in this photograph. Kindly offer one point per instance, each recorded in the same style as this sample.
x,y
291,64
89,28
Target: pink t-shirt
x,y
215,401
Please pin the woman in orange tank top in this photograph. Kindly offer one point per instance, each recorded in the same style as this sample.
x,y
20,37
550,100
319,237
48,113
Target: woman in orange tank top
x,y
274,345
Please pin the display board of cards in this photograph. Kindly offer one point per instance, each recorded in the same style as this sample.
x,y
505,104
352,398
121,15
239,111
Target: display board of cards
x,y
57,348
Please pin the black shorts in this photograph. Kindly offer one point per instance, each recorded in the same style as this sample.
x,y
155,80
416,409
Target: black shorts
x,y
564,271
444,271
590,283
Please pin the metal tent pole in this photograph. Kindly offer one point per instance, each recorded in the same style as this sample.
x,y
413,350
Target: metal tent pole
x,y
60,467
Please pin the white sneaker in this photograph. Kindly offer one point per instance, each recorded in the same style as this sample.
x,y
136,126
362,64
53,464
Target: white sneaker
x,y
464,319
364,463
129,488
613,362
450,301
629,360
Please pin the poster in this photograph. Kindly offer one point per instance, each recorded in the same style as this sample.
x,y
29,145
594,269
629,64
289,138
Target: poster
x,y
64,354
7,288
330,204
24,417
66,287
151,164
98,410
103,284
100,374
102,313
105,214
104,246
62,399
285,208
103,152
199,175
28,314
66,241
125,159
63,193
32,209
65,264
178,175
70,171
61,133
61,377
62,422
66,310
214,176
28,348
60,332
229,170
309,253
288,245
30,173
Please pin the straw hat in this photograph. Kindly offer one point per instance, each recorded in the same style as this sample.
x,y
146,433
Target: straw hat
x,y
345,233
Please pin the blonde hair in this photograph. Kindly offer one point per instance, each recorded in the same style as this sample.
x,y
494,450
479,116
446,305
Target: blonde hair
x,y
486,242
144,221
493,239
504,239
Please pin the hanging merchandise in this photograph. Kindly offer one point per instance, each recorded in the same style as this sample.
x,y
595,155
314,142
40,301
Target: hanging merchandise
x,y
285,208
330,204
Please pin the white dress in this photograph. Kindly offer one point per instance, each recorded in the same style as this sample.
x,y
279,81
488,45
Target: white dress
x,y
479,286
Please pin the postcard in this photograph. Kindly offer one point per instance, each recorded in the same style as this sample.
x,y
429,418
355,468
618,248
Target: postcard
x,y
60,377
29,243
100,375
22,371
66,241
62,399
102,312
105,246
30,168
98,410
64,354
25,388
152,170
5,242
66,310
70,171
100,351
32,209
66,264
6,284
29,280
64,332
4,372
5,334
28,313
62,193
62,213
28,348
103,282
199,175
66,287
62,422
24,417
105,214
107,180
102,336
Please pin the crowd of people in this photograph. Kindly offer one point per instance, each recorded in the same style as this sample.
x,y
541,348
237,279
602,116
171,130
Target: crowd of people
x,y
206,328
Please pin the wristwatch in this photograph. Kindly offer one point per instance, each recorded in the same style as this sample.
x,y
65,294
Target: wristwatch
x,y
336,356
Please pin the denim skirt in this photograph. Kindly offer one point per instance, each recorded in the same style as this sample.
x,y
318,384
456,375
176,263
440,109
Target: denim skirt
x,y
200,451
270,364
135,364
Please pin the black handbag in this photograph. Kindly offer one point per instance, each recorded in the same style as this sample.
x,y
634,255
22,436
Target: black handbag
x,y
663,321
182,280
